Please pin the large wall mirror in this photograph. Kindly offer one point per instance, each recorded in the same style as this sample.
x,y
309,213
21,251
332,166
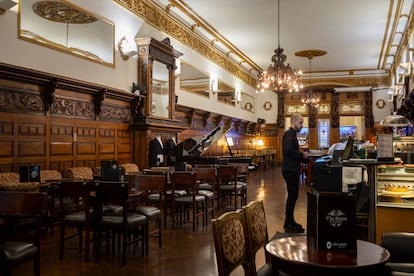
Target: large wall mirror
x,y
160,90
225,93
246,102
194,80
62,26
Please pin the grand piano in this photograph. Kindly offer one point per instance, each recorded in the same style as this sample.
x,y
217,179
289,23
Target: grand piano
x,y
193,150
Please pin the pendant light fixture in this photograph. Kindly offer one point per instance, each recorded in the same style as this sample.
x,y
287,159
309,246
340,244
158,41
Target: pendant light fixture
x,y
279,77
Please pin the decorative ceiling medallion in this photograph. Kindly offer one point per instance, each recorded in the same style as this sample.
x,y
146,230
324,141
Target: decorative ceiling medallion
x,y
59,12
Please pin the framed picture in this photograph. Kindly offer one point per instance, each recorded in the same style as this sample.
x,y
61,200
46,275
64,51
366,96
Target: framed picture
x,y
267,105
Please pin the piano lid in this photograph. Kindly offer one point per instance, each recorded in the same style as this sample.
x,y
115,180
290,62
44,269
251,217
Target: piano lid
x,y
199,144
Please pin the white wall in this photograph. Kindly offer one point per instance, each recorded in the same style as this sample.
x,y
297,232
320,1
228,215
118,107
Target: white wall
x,y
29,55
25,54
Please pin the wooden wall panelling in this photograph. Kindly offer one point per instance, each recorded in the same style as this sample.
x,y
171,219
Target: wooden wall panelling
x,y
54,121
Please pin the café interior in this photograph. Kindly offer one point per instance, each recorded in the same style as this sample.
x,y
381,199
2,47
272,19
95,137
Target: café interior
x,y
92,94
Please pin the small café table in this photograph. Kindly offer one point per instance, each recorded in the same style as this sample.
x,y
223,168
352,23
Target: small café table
x,y
293,255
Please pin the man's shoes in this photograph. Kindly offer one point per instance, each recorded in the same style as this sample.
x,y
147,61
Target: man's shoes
x,y
293,228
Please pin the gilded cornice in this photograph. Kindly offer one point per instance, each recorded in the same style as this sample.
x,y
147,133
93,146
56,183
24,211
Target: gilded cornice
x,y
405,40
160,19
351,81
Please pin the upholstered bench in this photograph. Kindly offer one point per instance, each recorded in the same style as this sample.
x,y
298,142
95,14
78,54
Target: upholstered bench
x,y
50,175
10,181
78,173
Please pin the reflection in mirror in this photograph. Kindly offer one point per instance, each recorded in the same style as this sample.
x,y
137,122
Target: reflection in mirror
x,y
160,90
62,26
225,93
193,80
247,102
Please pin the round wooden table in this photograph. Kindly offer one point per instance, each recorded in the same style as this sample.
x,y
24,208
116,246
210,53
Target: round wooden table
x,y
292,255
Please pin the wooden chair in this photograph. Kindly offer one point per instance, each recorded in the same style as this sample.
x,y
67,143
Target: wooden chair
x,y
14,253
230,243
207,178
228,188
154,189
401,246
123,223
49,180
242,177
255,225
187,181
75,210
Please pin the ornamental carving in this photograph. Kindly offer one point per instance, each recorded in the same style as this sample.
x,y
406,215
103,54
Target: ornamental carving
x,y
115,113
18,100
74,108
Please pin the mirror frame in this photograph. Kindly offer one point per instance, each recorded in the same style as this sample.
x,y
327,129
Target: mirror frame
x,y
160,90
194,80
150,50
226,93
33,34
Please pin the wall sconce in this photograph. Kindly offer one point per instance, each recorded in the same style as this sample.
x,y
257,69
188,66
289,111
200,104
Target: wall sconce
x,y
238,96
125,49
213,85
260,143
6,5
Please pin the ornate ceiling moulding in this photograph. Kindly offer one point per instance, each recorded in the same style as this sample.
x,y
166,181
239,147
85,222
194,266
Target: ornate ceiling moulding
x,y
351,81
60,12
164,22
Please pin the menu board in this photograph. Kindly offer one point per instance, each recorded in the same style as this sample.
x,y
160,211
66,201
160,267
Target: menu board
x,y
385,146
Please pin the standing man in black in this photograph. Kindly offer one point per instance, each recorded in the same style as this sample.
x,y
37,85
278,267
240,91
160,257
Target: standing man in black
x,y
291,169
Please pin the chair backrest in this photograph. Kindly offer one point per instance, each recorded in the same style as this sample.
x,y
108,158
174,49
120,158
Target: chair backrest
x,y
9,178
74,196
23,204
108,193
242,168
111,192
185,180
230,243
152,184
208,174
254,219
226,174
130,168
78,173
400,245
50,175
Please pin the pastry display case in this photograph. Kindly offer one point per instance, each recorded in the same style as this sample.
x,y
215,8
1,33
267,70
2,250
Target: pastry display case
x,y
404,148
395,185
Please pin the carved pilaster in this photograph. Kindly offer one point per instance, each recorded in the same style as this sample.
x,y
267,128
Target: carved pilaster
x,y
99,98
335,111
137,108
312,117
369,117
281,110
50,94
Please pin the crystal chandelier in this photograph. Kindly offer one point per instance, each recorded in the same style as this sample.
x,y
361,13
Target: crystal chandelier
x,y
310,99
279,76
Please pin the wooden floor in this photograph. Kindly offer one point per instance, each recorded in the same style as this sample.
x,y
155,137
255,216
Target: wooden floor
x,y
183,252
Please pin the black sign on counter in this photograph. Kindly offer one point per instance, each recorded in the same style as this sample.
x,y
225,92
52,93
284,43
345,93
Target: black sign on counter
x,y
331,221
29,173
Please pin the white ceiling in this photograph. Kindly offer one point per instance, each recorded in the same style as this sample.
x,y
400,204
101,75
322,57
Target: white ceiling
x,y
357,34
